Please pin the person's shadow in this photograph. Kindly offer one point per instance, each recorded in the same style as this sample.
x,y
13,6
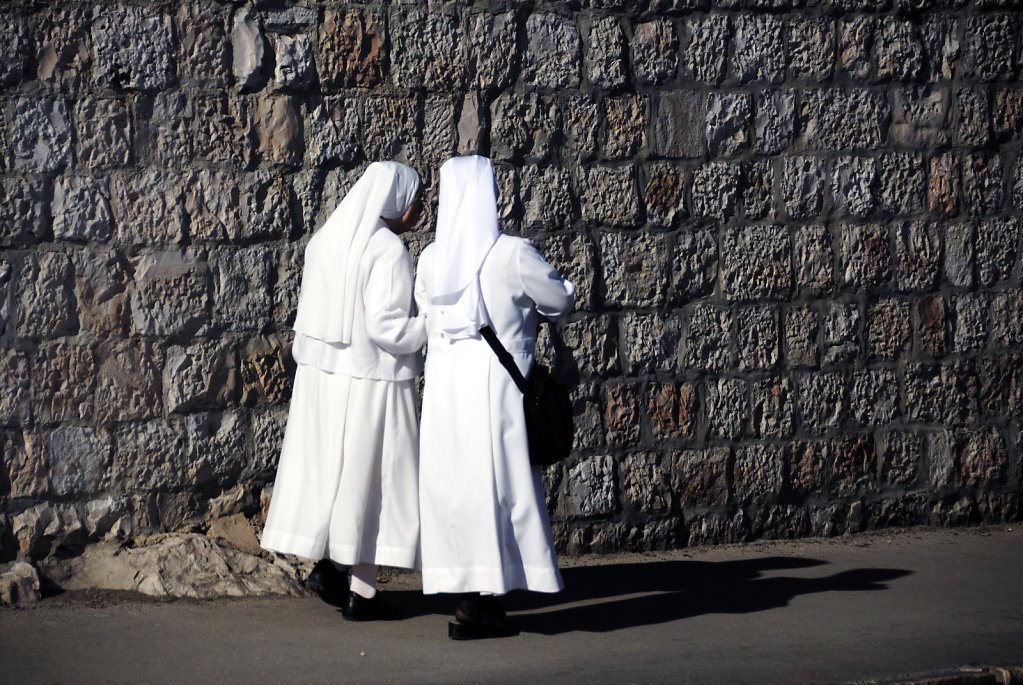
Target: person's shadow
x,y
615,596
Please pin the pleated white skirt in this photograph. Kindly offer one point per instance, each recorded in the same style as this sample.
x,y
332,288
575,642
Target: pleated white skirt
x,y
347,481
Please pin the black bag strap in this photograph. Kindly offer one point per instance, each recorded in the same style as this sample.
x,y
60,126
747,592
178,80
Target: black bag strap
x,y
502,355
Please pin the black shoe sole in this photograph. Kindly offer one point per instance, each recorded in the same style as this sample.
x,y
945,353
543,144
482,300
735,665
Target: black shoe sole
x,y
478,631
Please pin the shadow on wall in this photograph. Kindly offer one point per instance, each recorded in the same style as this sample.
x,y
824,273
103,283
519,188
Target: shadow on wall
x,y
670,591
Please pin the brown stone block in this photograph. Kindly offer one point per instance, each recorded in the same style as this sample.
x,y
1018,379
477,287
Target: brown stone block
x,y
267,371
943,185
672,409
807,466
699,478
1001,385
351,49
14,388
279,130
100,288
128,382
931,324
24,471
855,465
621,413
63,380
645,482
983,458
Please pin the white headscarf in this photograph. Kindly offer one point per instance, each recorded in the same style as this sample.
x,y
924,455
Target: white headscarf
x,y
466,230
326,302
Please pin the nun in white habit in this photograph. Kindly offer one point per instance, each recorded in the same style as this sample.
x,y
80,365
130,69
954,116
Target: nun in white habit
x,y
484,517
347,482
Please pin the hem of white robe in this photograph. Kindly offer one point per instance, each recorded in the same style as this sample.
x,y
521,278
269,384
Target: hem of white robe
x,y
489,579
347,555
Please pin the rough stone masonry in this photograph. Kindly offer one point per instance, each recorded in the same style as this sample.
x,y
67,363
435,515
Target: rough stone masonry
x,y
794,224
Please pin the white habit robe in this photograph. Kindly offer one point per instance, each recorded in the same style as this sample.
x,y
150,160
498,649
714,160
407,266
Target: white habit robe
x,y
482,505
347,482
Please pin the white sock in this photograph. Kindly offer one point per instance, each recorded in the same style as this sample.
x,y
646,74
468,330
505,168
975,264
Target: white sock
x,y
364,580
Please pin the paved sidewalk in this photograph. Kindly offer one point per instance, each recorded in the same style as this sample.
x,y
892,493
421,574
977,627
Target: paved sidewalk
x,y
873,607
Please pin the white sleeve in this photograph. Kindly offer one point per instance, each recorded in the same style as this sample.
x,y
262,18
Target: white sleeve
x,y
422,274
553,295
390,319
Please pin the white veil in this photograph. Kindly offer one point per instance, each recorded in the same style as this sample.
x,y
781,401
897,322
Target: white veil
x,y
466,230
326,301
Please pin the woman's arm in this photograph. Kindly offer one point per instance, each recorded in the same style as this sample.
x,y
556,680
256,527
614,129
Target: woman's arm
x,y
390,319
553,295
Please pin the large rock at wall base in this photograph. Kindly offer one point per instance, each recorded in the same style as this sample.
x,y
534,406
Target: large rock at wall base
x,y
19,583
186,565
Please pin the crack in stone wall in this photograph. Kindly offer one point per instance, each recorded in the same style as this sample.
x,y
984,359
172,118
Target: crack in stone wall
x,y
794,226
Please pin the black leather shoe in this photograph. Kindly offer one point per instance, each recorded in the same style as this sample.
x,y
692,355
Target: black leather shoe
x,y
479,617
358,608
328,582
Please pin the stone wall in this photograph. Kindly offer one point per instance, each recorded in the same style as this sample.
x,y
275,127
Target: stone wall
x,y
794,225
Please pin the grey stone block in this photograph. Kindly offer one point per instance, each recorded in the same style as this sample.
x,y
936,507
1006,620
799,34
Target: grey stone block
x,y
694,266
590,486
803,186
651,343
920,117
79,459
172,294
940,36
700,477
756,263
759,473
493,53
63,381
813,260
294,62
943,186
204,54
758,190
46,305
811,48
654,51
62,45
14,35
874,397
16,398
605,54
944,393
174,127
959,246
128,388
900,457
522,126
103,132
708,338
677,118
758,341
802,330
969,322
150,456
705,52
553,54
865,256
727,408
24,211
917,256
440,135
388,127
27,459
973,114
855,36
581,127
147,208
897,50
81,209
241,288
837,120
40,135
645,482
248,49
715,190
988,47
593,345
134,48
265,206
607,196
841,333
774,121
772,408
546,198
728,120
101,282
1007,317
632,265
822,401
759,49
996,242
983,183
853,182
573,256
427,51
902,183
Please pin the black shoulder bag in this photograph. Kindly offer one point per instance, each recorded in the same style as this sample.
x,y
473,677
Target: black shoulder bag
x,y
549,424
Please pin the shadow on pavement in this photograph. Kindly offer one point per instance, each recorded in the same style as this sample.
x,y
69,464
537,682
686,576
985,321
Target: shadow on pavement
x,y
668,591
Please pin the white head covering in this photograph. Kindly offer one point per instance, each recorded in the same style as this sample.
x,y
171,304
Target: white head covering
x,y
466,230
326,302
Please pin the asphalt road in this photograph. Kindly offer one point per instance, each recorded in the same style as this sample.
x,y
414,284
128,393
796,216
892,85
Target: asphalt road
x,y
873,607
